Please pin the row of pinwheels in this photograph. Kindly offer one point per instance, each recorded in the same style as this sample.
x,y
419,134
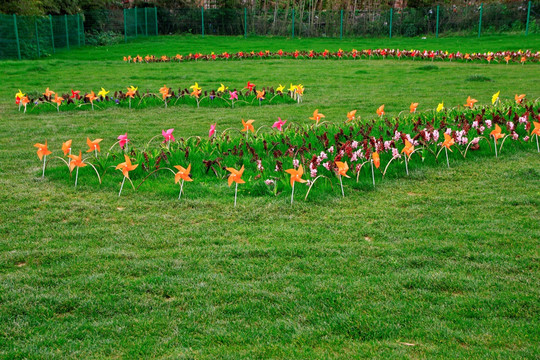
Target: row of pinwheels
x,y
490,56
222,97
310,148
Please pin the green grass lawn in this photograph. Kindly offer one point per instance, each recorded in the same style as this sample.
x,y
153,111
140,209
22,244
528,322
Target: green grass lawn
x,y
441,264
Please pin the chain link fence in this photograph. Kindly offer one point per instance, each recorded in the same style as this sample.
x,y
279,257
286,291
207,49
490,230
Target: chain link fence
x,y
33,36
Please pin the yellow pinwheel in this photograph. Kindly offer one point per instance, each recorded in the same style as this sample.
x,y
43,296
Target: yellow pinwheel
x,y
440,107
495,97
103,93
279,89
222,88
195,87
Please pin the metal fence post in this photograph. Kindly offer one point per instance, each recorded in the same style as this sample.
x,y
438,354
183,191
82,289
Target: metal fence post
x,y
155,18
391,13
136,21
125,26
293,23
52,34
146,21
437,31
67,33
341,27
202,20
79,29
480,19
528,18
245,22
37,38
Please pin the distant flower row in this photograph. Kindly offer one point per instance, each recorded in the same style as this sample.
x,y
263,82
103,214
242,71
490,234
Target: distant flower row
x,y
269,158
498,57
131,97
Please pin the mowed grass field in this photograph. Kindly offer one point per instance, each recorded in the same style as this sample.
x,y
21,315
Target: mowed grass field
x,y
441,264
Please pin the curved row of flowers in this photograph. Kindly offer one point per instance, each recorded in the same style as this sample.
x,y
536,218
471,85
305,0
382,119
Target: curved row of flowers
x,y
496,57
322,149
222,97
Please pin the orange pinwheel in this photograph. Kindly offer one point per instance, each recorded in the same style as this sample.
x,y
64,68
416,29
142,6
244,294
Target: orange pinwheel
x,y
496,133
236,175
260,94
93,145
296,175
376,159
448,141
351,115
413,107
42,150
182,174
48,93
91,97
519,98
536,130
470,102
196,93
507,58
342,168
58,100
248,125
126,166
76,161
25,101
164,90
131,92
380,110
317,116
408,149
66,147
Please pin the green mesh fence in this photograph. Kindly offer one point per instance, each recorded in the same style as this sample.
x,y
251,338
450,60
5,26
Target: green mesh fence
x,y
30,36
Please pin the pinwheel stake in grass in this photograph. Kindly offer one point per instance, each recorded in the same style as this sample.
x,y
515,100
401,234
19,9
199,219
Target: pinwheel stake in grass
x,y
58,100
236,176
25,101
196,92
408,150
536,132
126,167
342,171
91,97
164,91
42,153
248,126
93,145
233,95
18,98
131,93
182,174
66,148
496,133
168,137
375,160
78,162
448,142
296,175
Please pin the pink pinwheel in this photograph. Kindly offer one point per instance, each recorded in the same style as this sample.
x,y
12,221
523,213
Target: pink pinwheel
x,y
168,135
233,95
212,130
279,124
122,140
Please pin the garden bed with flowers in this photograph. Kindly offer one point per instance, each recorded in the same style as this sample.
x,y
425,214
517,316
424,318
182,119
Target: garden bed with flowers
x,y
320,157
504,57
133,98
